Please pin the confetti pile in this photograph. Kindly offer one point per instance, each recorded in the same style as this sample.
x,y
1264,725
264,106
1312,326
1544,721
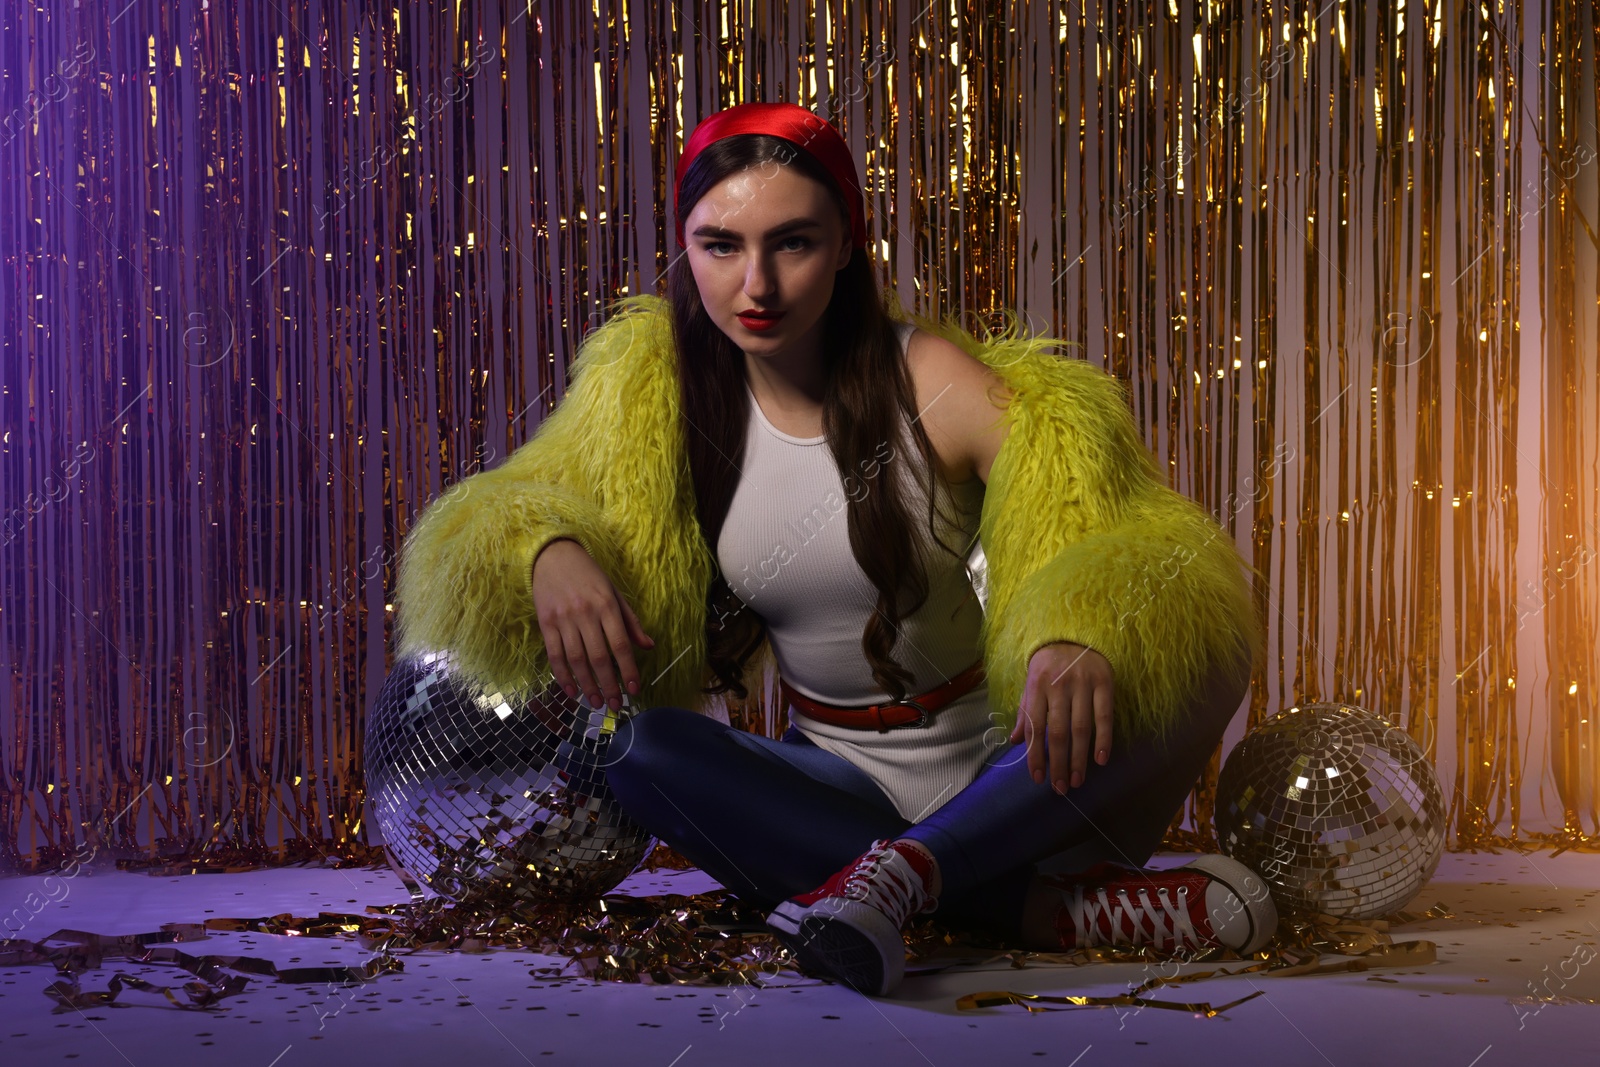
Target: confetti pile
x,y
709,938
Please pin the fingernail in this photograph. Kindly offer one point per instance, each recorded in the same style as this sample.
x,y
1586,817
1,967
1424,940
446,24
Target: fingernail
x,y
1077,779
1038,777
1061,786
1100,757
633,688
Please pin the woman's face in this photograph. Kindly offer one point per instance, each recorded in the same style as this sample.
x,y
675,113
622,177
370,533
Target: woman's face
x,y
767,239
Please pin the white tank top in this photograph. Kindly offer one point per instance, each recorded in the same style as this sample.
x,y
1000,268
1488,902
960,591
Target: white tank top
x,y
785,551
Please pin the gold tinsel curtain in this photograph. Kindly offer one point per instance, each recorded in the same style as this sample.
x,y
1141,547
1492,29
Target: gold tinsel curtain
x,y
280,273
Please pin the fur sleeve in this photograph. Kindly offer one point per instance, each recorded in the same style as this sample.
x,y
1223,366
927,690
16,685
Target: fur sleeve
x,y
465,573
1086,543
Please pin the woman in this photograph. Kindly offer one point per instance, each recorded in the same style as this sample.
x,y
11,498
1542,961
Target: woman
x,y
786,442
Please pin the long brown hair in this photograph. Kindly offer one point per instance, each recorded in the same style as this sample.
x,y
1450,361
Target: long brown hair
x,y
862,356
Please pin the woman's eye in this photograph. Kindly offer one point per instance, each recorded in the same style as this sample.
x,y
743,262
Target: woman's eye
x,y
799,243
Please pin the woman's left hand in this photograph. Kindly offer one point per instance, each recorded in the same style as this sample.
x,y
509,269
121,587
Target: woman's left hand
x,y
1066,698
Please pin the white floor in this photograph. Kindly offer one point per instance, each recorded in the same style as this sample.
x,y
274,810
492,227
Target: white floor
x,y
1523,925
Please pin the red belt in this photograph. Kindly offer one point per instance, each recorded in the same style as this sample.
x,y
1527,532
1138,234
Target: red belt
x,y
913,711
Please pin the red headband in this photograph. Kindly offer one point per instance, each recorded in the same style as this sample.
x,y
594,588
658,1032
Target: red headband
x,y
793,124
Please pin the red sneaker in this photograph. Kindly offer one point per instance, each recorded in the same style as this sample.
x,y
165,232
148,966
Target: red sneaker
x,y
1213,901
849,927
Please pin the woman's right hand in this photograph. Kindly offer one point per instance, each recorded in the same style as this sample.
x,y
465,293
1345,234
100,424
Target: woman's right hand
x,y
586,624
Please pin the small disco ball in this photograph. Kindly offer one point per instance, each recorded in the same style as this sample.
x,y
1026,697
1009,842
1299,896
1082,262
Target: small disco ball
x,y
1338,811
481,800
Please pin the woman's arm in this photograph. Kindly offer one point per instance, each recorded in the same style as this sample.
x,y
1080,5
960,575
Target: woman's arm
x,y
465,576
1087,544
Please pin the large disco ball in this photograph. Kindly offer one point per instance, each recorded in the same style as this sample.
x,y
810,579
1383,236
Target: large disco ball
x,y
481,800
1337,809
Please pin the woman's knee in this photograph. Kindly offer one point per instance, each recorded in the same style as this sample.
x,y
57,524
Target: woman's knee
x,y
1230,677
654,744
1178,763
1221,692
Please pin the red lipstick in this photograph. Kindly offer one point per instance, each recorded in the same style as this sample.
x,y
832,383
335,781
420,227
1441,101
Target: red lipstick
x,y
759,321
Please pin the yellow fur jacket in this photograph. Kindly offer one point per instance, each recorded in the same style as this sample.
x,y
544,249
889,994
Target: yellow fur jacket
x,y
1083,540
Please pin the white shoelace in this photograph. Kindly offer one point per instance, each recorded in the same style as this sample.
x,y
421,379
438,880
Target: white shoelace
x,y
1168,925
885,879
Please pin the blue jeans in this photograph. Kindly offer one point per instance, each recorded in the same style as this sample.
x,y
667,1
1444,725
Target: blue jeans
x,y
772,819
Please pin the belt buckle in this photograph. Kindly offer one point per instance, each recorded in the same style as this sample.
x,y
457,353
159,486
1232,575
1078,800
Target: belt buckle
x,y
922,714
